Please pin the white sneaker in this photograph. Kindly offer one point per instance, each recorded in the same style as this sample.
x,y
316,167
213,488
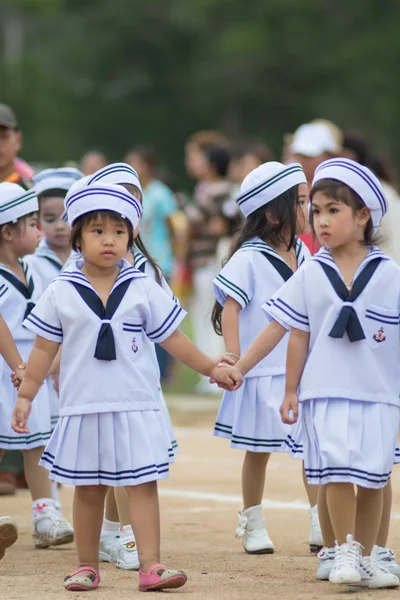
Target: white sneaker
x,y
346,562
49,528
373,576
315,536
251,529
326,557
107,546
386,558
126,554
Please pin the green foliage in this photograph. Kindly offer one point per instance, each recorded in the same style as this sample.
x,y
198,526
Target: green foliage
x,y
112,74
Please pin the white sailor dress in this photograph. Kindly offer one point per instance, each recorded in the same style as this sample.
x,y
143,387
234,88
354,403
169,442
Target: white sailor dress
x,y
349,389
249,417
48,266
111,430
143,264
16,300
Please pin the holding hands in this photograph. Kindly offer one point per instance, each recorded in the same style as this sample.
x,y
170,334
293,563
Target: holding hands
x,y
290,409
18,375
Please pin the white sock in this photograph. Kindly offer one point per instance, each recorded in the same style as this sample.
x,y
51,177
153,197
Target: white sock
x,y
110,527
127,531
43,507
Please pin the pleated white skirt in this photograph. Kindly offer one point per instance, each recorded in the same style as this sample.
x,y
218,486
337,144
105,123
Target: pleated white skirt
x,y
54,403
115,449
250,417
349,441
168,422
39,421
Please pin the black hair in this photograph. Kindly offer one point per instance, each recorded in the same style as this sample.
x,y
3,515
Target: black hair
x,y
56,192
87,218
218,158
140,246
357,143
17,224
343,193
282,215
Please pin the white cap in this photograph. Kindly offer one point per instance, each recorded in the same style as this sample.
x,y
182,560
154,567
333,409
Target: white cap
x,y
360,179
313,139
15,202
103,197
118,173
55,179
267,182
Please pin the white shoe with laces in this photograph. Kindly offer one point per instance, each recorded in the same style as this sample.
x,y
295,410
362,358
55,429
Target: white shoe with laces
x,y
108,541
386,558
49,527
252,530
326,557
126,554
346,562
315,536
374,577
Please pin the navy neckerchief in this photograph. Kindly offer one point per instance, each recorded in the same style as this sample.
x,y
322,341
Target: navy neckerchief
x,y
348,319
26,291
280,265
105,346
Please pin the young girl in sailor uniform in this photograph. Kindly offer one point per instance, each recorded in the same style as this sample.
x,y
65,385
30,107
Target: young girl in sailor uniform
x,y
107,314
117,541
20,289
343,363
274,201
54,250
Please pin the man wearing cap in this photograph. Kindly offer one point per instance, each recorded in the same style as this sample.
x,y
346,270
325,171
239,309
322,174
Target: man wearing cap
x,y
12,466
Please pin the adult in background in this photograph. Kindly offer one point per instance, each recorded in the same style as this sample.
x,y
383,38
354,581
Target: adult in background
x,y
207,161
92,161
312,143
12,465
160,225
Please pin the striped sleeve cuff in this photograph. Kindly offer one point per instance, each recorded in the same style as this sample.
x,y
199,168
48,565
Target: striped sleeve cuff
x,y
43,329
223,287
169,325
285,315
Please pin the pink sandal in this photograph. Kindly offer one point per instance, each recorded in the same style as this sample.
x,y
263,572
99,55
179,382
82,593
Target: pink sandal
x,y
159,577
82,583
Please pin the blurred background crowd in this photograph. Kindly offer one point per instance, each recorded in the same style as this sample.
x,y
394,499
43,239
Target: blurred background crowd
x,y
194,95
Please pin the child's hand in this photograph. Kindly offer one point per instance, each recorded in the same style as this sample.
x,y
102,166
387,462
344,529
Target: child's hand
x,y
227,377
18,375
290,405
221,361
55,380
21,414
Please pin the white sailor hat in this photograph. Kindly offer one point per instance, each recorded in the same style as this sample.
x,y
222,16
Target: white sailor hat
x,y
360,179
267,182
55,179
103,197
118,173
15,202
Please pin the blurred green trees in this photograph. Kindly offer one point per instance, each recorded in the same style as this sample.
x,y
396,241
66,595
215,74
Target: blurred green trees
x,y
114,73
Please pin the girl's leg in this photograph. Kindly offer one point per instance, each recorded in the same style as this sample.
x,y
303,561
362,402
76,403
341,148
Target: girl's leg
x,y
111,513
341,503
37,477
253,477
368,517
383,533
311,490
88,509
144,513
328,535
122,502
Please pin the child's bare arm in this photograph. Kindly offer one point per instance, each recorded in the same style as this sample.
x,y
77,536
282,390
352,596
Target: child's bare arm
x,y
264,343
295,362
37,369
8,349
230,326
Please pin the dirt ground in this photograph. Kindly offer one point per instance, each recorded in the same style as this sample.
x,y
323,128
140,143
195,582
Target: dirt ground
x,y
199,515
